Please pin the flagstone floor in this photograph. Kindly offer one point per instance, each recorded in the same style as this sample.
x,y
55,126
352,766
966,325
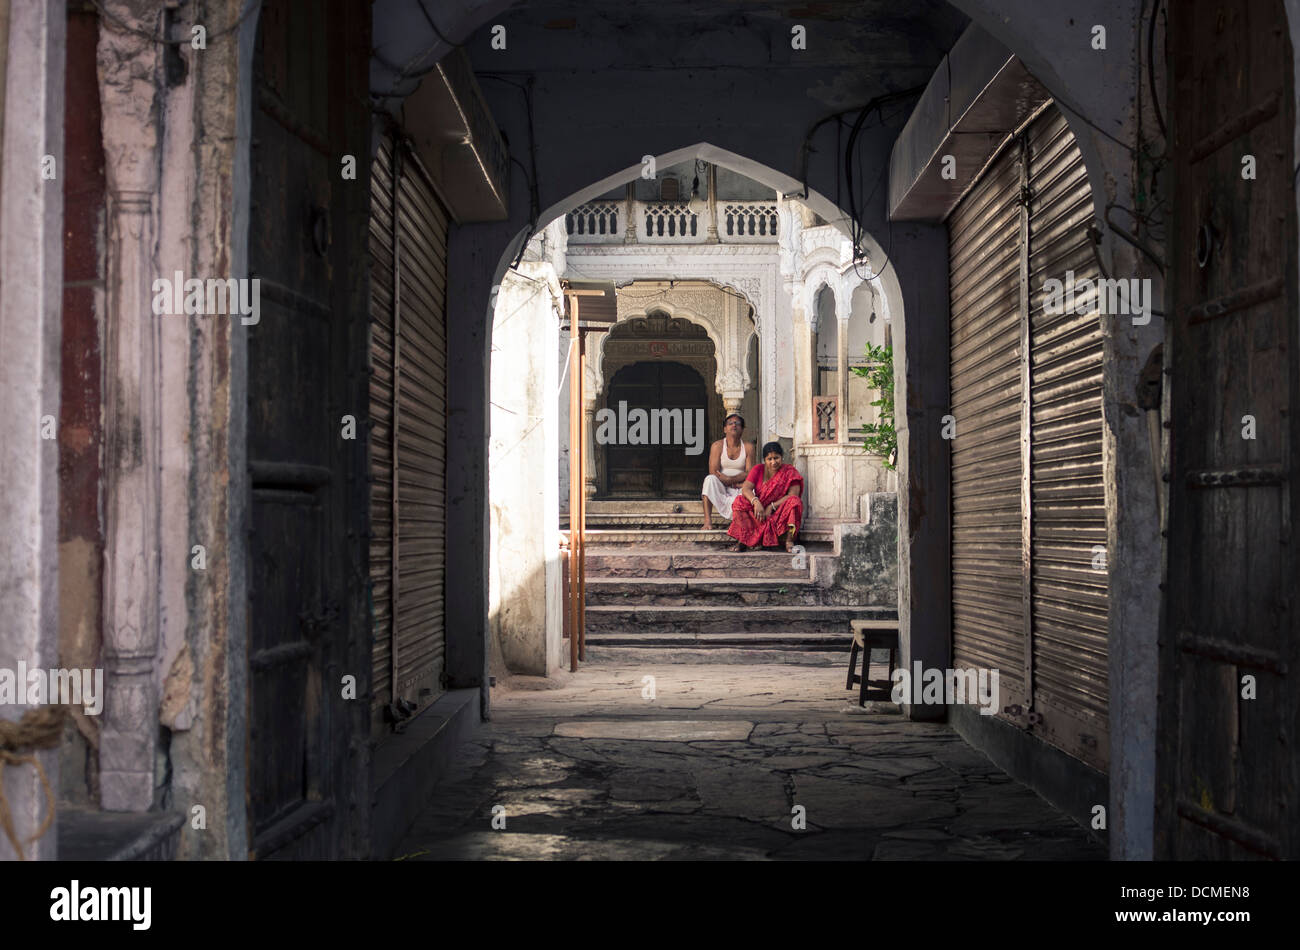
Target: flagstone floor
x,y
725,762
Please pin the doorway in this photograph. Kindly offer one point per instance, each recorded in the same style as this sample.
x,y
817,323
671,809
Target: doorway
x,y
649,470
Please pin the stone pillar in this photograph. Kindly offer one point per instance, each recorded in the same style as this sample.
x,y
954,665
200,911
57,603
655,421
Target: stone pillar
x,y
589,439
128,69
712,236
31,278
922,395
842,375
629,204
804,359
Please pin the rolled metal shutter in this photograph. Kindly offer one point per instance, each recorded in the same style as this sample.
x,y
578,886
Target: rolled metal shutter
x,y
381,425
988,617
1028,493
1070,601
409,431
421,424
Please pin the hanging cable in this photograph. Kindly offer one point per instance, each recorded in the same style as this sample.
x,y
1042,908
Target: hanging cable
x,y
1151,69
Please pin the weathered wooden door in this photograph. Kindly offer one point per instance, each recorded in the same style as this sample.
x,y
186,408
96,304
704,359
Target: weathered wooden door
x,y
1229,703
306,359
658,471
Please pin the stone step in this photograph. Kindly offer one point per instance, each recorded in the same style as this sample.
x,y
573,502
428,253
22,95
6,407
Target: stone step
x,y
643,621
645,521
644,656
690,561
642,535
704,591
776,640
624,506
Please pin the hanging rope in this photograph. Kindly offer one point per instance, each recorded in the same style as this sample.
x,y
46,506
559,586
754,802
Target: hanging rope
x,y
40,728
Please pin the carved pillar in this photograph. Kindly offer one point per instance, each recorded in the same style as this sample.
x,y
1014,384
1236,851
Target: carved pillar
x,y
804,356
128,74
629,203
712,236
589,434
842,376
731,387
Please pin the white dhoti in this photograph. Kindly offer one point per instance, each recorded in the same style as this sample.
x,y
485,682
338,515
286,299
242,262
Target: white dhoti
x,y
719,495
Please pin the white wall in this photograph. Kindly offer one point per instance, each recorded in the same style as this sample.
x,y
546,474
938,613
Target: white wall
x,y
523,478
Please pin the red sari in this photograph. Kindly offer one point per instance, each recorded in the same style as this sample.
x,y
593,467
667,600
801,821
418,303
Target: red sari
x,y
753,533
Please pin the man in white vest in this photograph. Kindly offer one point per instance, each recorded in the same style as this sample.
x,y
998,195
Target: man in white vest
x,y
730,460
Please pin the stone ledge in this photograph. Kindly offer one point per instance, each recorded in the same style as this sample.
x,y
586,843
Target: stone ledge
x,y
87,835
407,765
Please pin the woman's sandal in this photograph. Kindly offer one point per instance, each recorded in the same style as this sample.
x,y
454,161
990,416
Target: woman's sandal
x,y
737,548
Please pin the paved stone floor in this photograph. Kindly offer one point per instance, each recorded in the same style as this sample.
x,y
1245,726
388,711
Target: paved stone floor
x,y
586,766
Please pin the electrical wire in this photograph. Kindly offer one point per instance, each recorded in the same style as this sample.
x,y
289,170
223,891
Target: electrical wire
x,y
1151,69
1133,240
534,189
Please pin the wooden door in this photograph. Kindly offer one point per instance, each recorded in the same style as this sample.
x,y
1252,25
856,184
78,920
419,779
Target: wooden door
x,y
1229,706
658,471
306,357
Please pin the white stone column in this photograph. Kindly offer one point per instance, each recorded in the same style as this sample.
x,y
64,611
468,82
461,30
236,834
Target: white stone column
x,y
629,209
842,376
31,291
712,236
589,434
770,351
803,354
128,74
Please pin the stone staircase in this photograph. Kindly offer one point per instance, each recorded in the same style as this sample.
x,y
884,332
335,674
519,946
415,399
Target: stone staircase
x,y
659,588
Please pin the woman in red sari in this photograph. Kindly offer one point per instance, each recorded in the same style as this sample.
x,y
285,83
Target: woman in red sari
x,y
769,507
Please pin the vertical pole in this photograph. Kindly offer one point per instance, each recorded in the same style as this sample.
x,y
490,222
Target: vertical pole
x,y
575,482
582,500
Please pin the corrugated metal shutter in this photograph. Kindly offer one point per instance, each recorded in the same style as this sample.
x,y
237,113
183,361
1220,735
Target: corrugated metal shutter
x,y
1028,494
381,424
1068,501
421,425
408,412
984,271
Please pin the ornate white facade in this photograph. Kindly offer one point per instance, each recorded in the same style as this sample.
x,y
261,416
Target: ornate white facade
x,y
753,269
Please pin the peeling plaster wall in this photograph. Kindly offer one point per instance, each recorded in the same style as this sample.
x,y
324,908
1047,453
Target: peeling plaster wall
x,y
81,430
197,139
31,277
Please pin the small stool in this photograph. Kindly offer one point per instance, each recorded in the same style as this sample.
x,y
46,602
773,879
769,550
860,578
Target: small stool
x,y
868,635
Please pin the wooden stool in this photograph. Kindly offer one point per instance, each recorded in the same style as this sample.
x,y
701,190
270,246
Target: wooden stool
x,y
868,635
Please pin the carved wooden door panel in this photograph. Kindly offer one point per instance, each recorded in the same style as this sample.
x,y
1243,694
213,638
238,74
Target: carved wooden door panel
x,y
305,360
1229,711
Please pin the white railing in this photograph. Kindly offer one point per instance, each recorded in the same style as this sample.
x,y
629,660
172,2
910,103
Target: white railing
x,y
671,222
753,221
597,222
